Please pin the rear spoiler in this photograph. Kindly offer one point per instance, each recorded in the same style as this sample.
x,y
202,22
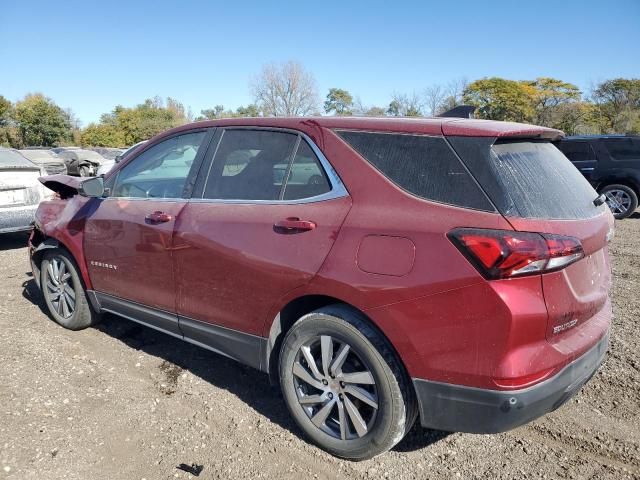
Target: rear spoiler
x,y
65,185
461,111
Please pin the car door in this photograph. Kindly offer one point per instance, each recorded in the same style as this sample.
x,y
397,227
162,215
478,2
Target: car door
x,y
129,238
268,213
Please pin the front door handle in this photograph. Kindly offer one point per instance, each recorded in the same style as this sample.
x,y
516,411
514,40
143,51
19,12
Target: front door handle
x,y
293,225
157,217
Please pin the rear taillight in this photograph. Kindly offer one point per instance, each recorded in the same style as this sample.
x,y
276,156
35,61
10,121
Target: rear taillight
x,y
505,254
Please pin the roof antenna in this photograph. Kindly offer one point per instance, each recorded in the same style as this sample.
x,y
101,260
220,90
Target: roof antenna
x,y
461,111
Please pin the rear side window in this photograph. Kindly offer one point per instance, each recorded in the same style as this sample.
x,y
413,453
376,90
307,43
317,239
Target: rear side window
x,y
577,151
623,148
424,166
306,177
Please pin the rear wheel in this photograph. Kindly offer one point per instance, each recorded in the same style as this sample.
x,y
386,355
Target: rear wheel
x,y
344,385
64,291
622,200
84,171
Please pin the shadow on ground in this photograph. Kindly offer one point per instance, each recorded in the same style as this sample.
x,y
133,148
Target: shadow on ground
x,y
250,385
13,241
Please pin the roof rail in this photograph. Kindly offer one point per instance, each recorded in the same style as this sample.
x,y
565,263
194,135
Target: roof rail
x,y
461,111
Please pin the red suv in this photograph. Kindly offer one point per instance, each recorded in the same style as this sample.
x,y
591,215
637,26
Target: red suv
x,y
378,269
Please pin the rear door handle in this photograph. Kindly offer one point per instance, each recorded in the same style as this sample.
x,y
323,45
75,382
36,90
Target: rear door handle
x,y
157,217
293,225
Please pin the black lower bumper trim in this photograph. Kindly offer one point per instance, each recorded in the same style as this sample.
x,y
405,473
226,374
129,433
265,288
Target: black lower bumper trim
x,y
458,408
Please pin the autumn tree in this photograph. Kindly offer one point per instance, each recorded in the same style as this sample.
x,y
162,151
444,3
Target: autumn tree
x,y
285,89
339,101
501,99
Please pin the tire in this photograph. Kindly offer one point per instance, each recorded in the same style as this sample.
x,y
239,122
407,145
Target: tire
x,y
378,428
72,310
622,200
84,171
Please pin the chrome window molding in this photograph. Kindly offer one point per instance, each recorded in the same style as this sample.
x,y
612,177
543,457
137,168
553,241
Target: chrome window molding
x,y
338,189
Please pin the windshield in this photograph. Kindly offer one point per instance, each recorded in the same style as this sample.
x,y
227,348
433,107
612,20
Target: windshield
x,y
540,182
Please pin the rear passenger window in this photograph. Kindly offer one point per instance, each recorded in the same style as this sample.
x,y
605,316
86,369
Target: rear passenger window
x,y
577,151
623,148
306,178
424,166
264,165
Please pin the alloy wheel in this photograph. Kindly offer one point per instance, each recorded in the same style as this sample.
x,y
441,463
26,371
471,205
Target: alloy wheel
x,y
59,287
335,388
618,201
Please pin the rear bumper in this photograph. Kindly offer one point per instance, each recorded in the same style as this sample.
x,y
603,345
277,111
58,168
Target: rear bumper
x,y
459,408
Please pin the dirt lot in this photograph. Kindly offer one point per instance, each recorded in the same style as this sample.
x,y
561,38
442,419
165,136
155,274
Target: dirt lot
x,y
124,402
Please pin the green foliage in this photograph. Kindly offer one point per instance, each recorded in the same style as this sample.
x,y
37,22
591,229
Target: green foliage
x,y
126,126
405,106
39,121
5,116
500,99
219,112
102,135
375,112
339,101
618,105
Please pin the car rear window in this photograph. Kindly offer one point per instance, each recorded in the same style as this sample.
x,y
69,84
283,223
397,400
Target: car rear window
x,y
528,179
422,165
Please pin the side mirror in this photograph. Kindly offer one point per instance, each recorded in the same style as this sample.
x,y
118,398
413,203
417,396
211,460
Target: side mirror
x,y
93,187
118,158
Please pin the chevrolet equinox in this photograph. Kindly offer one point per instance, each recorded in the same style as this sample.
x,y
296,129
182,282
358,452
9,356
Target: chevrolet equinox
x,y
378,269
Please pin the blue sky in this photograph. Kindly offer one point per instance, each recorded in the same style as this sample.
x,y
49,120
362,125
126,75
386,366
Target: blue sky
x,y
91,56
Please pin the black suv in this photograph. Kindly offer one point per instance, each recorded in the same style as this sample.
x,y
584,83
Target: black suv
x,y
612,164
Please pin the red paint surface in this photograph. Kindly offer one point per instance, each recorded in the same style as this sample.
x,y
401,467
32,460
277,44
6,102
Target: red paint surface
x,y
224,263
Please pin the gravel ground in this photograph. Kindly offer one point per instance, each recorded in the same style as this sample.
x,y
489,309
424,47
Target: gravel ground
x,y
124,402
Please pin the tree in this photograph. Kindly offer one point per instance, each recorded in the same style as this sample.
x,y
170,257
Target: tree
x,y
375,112
548,95
285,89
454,93
102,135
618,105
500,99
339,101
5,118
434,99
39,121
219,112
402,105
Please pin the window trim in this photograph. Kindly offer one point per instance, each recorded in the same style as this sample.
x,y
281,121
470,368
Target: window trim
x,y
338,189
191,178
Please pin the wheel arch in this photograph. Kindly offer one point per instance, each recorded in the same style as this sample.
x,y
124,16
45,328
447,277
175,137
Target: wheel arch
x,y
292,312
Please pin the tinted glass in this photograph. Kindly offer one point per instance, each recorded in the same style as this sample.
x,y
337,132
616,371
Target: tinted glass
x,y
250,165
540,182
424,166
623,148
307,177
577,151
160,171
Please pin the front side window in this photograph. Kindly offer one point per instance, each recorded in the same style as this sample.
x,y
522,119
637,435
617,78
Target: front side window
x,y
264,165
161,171
623,148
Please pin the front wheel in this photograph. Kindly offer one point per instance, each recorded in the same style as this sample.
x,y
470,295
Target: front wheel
x,y
64,291
84,171
344,385
622,200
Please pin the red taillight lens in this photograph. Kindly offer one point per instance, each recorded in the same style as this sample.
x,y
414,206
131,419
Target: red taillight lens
x,y
504,254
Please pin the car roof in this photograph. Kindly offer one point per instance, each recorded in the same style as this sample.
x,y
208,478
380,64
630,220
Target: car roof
x,y
411,125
